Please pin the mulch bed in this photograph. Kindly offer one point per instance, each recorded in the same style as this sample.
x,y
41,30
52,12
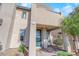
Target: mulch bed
x,y
52,48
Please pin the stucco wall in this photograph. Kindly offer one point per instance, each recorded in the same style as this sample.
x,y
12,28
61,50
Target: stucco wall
x,y
18,25
41,15
6,14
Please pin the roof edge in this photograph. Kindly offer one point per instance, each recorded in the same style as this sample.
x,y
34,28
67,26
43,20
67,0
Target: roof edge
x,y
22,7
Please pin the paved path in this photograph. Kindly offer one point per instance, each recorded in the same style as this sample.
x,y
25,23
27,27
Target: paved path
x,y
44,53
50,51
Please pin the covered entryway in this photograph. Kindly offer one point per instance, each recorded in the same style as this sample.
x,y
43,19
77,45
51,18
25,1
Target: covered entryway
x,y
40,37
43,37
44,19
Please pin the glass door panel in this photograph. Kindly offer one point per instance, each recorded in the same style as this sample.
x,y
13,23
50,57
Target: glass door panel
x,y
38,38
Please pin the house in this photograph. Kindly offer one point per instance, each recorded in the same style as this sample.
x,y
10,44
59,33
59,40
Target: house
x,y
31,26
43,20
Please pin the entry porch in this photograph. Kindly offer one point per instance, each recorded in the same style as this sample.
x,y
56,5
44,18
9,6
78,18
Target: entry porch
x,y
40,37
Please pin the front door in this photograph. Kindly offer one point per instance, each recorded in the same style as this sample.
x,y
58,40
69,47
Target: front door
x,y
38,38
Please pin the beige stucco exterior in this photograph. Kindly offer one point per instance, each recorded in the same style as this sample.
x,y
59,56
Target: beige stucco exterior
x,y
39,17
18,25
44,17
7,25
11,25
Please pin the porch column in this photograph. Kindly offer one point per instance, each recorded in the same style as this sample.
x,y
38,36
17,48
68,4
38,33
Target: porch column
x,y
51,38
43,34
67,44
32,41
44,41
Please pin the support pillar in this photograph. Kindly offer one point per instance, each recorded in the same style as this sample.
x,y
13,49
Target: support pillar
x,y
32,41
51,38
44,39
43,34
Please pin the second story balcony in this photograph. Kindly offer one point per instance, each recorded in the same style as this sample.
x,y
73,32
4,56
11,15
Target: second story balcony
x,y
42,14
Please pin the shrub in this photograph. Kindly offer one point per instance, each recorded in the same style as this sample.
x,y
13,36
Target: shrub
x,y
58,41
21,48
63,53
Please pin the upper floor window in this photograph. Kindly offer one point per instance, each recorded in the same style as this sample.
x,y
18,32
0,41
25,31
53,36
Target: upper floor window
x,y
22,33
24,15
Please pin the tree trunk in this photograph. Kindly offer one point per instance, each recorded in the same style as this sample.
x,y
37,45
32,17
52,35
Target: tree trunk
x,y
66,42
75,46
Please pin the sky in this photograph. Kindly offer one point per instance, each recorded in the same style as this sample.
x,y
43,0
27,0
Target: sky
x,y
64,8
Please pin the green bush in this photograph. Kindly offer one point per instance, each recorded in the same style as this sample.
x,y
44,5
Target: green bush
x,y
21,48
63,53
58,41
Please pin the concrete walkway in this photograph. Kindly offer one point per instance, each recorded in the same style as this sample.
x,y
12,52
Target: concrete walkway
x,y
50,51
40,52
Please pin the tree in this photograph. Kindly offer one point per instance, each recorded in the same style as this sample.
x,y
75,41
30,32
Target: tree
x,y
70,25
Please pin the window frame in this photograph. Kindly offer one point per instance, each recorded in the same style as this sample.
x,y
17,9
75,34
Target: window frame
x,y
23,16
22,35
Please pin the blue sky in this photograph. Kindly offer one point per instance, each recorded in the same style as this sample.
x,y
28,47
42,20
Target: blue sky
x,y
64,8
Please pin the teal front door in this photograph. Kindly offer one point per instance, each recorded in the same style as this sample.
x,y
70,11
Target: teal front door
x,y
38,38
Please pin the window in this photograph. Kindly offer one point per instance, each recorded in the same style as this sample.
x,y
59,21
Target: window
x,y
24,15
38,38
22,33
1,22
